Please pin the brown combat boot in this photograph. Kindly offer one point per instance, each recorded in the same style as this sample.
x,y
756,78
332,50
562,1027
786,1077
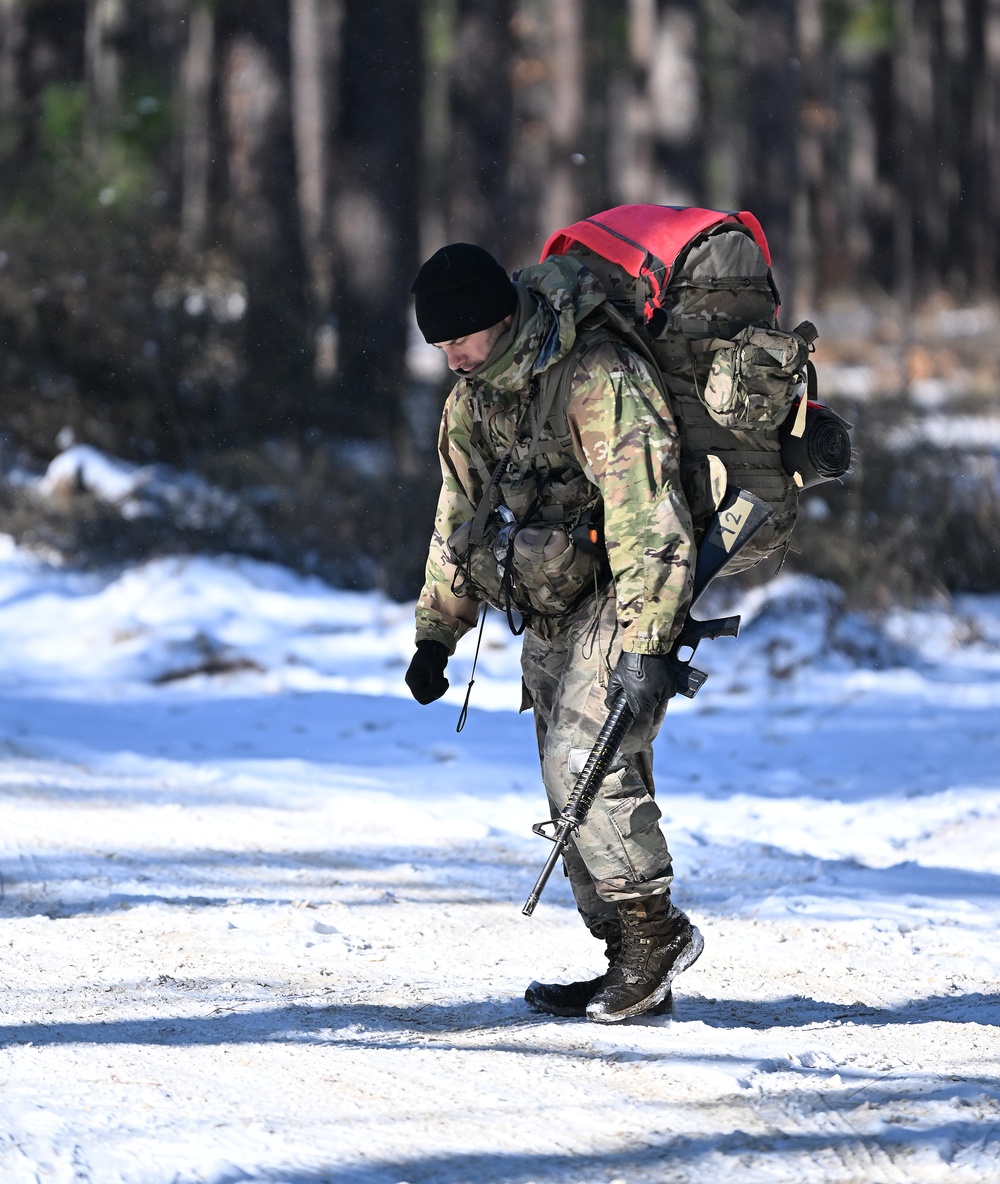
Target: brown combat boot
x,y
571,999
658,942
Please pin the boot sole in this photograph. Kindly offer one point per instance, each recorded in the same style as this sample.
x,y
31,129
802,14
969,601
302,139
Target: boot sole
x,y
665,1007
563,1012
534,996
687,958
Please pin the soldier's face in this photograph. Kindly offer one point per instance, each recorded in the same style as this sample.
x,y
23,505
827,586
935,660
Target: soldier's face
x,y
465,354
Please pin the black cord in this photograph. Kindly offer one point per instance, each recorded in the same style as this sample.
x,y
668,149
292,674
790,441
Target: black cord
x,y
464,714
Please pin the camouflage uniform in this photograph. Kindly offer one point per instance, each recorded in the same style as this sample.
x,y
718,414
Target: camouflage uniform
x,y
610,436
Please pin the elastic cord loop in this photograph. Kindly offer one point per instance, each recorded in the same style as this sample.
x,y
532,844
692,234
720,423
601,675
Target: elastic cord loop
x,y
464,715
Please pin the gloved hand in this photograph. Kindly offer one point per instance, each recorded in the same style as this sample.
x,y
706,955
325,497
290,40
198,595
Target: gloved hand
x,y
425,674
646,681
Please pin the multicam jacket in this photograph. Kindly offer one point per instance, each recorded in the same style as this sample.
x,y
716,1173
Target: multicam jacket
x,y
610,436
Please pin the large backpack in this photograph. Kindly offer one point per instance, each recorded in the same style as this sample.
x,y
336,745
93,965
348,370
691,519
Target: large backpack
x,y
694,291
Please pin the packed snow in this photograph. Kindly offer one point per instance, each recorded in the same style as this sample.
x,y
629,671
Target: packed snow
x,y
261,913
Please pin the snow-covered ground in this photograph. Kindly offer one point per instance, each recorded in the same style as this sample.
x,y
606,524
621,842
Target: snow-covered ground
x,y
261,914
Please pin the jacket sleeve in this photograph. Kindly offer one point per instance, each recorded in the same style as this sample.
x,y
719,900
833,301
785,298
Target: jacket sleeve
x,y
625,438
441,615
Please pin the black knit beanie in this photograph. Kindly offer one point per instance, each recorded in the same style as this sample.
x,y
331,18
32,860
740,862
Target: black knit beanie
x,y
460,290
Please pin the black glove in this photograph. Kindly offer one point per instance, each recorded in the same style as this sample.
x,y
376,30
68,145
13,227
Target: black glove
x,y
425,676
646,681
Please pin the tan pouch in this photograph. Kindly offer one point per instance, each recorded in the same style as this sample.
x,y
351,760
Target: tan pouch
x,y
755,378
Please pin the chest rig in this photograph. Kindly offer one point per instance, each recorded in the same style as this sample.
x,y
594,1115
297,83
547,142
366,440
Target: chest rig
x,y
533,545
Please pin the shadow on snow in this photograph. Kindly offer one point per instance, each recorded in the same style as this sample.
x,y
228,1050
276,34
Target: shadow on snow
x,y
835,754
667,1161
387,1026
490,870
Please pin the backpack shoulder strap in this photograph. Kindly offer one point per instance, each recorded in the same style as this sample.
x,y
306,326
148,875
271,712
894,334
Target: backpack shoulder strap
x,y
558,379
550,390
491,487
551,382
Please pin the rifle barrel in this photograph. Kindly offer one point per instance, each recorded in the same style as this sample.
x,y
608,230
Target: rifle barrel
x,y
559,842
601,758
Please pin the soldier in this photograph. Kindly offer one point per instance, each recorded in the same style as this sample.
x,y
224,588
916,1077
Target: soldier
x,y
561,504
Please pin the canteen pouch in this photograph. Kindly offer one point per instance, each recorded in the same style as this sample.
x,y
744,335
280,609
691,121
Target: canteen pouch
x,y
549,572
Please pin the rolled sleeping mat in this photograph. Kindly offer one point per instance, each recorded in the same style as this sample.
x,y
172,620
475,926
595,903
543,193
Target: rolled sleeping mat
x,y
818,450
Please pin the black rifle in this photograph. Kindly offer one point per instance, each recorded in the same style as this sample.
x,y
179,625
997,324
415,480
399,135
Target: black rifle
x,y
733,525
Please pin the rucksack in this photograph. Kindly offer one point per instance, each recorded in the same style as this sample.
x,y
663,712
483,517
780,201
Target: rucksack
x,y
694,294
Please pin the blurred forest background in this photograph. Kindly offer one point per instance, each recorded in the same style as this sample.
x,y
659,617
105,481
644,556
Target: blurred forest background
x,y
211,212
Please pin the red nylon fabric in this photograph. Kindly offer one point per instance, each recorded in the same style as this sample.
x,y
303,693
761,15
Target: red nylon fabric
x,y
661,231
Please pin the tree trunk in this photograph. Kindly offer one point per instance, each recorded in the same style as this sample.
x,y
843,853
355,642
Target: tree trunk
x,y
529,157
479,120
665,117
563,199
12,41
921,160
984,166
937,127
105,23
637,172
973,73
953,117
605,66
724,111
910,96
314,36
196,139
849,255
769,165
813,214
376,211
260,216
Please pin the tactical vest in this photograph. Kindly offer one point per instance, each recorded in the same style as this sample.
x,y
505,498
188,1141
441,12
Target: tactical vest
x,y
533,545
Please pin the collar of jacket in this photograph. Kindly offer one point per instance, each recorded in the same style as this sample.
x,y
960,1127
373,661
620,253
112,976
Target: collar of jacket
x,y
552,299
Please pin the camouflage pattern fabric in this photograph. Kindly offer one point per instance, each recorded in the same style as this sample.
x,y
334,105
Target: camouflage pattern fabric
x,y
754,378
620,852
610,437
614,436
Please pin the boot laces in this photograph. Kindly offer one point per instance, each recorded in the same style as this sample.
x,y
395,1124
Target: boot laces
x,y
641,933
636,945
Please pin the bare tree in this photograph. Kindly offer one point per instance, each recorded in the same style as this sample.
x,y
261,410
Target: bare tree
x,y
474,165
563,199
260,214
722,125
196,122
315,36
375,207
983,169
911,96
105,23
12,40
927,101
848,137
769,161
529,149
815,210
664,122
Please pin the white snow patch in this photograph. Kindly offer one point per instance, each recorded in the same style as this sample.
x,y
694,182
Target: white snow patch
x,y
260,913
976,432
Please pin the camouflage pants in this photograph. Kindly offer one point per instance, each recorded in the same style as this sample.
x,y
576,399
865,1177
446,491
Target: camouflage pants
x,y
620,853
